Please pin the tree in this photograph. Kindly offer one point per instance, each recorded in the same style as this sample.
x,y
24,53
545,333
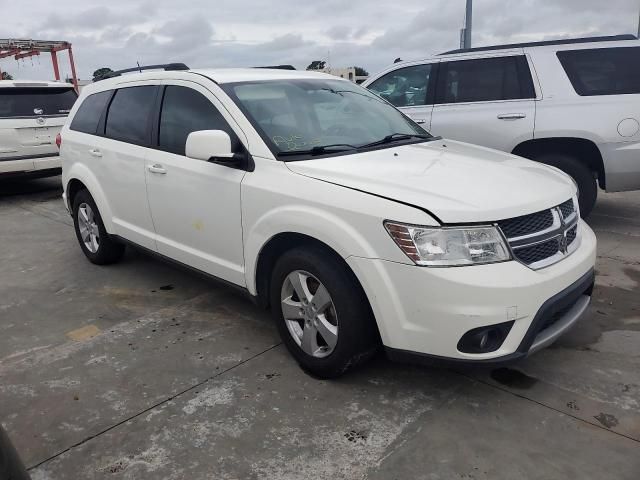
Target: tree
x,y
361,72
317,65
100,72
6,76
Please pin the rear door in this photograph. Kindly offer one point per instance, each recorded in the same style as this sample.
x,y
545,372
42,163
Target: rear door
x,y
30,119
487,101
116,156
410,89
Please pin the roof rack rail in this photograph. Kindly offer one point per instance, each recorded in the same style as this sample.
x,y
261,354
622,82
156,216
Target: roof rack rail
x,y
165,66
278,67
565,41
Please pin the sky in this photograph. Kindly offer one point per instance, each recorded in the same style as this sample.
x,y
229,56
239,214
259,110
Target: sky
x,y
233,33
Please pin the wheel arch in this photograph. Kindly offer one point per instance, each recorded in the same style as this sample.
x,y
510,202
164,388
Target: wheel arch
x,y
584,150
80,177
275,247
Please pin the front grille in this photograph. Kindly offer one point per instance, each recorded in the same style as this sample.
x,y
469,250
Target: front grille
x,y
537,239
567,208
557,315
572,233
538,252
527,224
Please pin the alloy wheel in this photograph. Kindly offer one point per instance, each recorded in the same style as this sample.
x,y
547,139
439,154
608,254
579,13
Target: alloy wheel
x,y
309,314
89,231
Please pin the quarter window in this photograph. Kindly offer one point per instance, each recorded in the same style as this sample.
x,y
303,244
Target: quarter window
x,y
484,80
405,87
185,110
129,114
88,115
603,71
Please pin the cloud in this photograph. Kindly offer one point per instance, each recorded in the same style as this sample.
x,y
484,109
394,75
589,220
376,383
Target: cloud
x,y
369,33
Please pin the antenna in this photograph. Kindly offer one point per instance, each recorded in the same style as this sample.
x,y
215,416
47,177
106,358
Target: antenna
x,y
139,69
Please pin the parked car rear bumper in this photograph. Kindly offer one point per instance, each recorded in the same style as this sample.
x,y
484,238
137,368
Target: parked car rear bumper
x,y
622,166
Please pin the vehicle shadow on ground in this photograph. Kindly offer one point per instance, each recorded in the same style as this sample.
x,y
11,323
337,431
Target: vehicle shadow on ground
x,y
16,187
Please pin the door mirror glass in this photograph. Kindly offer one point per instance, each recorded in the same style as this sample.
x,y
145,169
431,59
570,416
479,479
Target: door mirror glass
x,y
209,144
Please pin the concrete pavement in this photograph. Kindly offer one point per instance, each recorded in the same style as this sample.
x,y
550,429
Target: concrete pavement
x,y
142,370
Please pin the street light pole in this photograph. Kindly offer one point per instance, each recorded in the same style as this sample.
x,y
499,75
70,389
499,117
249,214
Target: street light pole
x,y
468,25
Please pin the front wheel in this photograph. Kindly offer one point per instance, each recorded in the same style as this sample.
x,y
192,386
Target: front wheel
x,y
322,314
581,174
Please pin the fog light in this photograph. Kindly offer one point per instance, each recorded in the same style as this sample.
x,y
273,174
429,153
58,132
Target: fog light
x,y
484,339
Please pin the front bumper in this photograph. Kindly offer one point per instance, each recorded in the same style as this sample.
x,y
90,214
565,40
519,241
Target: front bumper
x,y
621,165
426,311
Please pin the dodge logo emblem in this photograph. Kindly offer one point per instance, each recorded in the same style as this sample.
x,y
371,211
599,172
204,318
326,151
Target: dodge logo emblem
x,y
563,243
40,121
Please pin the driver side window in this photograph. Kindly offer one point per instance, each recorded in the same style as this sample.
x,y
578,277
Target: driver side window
x,y
185,110
405,87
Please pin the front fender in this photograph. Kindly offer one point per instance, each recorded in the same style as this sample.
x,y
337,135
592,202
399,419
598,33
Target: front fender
x,y
314,222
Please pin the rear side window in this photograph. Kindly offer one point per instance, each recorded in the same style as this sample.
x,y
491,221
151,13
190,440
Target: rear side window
x,y
130,113
405,87
88,115
185,110
35,102
603,71
484,80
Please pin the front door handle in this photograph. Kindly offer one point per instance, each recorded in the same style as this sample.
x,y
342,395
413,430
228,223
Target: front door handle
x,y
511,116
94,152
157,168
420,121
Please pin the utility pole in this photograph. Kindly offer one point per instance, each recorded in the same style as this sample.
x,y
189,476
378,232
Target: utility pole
x,y
465,34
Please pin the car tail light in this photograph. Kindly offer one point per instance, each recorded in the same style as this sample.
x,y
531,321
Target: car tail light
x,y
58,140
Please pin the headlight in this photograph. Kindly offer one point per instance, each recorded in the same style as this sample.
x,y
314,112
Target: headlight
x,y
447,247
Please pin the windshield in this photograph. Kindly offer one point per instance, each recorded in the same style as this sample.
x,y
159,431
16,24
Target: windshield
x,y
315,117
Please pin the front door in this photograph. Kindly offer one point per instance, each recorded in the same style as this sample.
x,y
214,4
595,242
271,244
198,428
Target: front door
x,y
195,205
409,89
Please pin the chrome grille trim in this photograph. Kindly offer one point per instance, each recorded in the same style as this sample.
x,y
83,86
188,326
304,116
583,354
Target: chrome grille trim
x,y
564,231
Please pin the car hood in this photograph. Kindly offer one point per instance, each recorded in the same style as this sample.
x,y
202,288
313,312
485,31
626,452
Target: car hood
x,y
455,181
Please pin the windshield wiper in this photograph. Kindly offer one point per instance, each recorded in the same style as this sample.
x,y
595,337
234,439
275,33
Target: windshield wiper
x,y
395,137
320,149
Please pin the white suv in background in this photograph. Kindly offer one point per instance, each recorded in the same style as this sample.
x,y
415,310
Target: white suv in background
x,y
573,104
323,201
31,116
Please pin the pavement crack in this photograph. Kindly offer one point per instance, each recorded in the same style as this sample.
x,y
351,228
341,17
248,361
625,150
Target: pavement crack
x,y
148,409
537,402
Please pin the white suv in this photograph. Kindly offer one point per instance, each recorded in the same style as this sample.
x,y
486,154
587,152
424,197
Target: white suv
x,y
573,104
31,116
320,199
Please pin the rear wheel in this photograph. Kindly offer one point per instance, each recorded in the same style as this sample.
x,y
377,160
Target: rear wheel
x,y
95,242
581,174
321,312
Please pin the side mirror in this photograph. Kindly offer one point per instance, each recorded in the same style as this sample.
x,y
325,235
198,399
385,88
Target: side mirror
x,y
209,145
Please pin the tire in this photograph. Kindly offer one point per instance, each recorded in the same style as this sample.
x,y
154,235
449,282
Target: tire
x,y
95,242
581,174
347,313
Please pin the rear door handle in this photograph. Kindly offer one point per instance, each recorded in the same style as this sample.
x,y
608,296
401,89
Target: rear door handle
x,y
157,168
420,121
511,116
94,152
